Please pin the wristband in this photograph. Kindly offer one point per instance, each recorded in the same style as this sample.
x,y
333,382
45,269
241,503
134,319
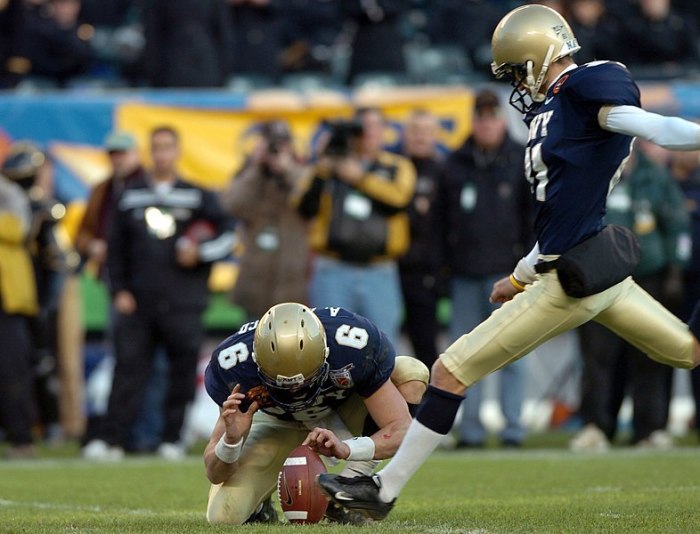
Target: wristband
x,y
228,453
360,448
517,284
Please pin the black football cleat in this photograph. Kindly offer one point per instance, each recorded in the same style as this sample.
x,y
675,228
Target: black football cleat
x,y
265,513
357,493
339,514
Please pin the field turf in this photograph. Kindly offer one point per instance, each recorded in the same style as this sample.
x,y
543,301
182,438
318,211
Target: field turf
x,y
541,489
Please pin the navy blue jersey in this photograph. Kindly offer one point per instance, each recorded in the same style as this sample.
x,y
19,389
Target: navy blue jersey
x,y
570,161
361,360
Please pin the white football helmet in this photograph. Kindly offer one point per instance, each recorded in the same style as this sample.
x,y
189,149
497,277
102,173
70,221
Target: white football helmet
x,y
290,350
524,44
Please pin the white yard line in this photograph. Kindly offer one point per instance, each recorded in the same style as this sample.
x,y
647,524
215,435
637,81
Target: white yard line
x,y
4,503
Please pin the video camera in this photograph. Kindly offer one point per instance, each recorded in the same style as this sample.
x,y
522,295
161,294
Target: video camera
x,y
342,133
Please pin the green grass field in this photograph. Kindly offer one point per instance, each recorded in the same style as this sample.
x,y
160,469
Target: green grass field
x,y
544,489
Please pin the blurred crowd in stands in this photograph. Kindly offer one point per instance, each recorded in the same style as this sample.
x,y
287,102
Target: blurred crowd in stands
x,y
300,44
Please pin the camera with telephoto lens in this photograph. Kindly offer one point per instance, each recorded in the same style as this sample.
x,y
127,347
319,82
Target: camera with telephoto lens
x,y
342,132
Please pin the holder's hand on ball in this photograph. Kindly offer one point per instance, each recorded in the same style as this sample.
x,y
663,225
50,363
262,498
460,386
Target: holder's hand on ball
x,y
325,442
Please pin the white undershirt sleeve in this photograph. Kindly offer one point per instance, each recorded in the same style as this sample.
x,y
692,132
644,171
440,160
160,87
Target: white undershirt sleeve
x,y
672,133
525,270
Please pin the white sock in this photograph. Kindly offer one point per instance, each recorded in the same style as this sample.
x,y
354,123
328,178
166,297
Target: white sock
x,y
417,445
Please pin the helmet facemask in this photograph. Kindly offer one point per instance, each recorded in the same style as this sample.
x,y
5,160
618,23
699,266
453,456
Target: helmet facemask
x,y
526,88
294,393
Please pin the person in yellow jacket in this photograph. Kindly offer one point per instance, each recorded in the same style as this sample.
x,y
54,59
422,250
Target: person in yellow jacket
x,y
18,301
357,199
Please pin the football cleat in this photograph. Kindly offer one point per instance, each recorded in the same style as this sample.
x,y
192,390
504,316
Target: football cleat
x,y
266,513
339,514
357,493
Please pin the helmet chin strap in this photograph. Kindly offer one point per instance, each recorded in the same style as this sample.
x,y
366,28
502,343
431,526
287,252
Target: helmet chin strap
x,y
535,85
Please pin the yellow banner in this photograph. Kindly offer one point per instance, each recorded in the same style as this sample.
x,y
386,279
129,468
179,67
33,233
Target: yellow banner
x,y
214,142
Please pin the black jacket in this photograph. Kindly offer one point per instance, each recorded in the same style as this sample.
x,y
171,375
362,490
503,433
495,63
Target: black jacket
x,y
143,237
486,208
425,250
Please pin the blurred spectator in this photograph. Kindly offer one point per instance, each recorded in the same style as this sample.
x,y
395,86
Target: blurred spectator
x,y
652,205
487,220
595,30
164,237
13,63
188,43
91,244
105,12
274,264
91,240
469,24
688,9
258,36
118,41
357,197
420,269
685,169
557,5
29,167
312,28
655,35
55,45
377,40
17,302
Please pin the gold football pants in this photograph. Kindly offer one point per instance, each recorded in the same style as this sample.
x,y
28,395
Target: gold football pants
x,y
543,311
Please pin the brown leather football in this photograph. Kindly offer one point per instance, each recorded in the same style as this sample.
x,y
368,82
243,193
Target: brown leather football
x,y
301,499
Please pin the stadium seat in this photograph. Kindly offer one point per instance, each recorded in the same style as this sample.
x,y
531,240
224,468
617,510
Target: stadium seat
x,y
34,84
243,83
428,64
372,80
304,82
96,82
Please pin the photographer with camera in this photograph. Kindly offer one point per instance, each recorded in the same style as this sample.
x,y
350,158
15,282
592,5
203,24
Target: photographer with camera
x,y
274,265
356,198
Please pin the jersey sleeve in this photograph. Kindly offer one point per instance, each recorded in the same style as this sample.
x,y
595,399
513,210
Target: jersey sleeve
x,y
225,369
604,83
357,347
378,366
214,383
377,358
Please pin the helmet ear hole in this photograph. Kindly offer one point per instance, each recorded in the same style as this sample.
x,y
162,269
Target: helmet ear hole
x,y
272,346
301,344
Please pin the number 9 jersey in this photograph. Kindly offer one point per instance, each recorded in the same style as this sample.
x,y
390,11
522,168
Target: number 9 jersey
x,y
361,360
